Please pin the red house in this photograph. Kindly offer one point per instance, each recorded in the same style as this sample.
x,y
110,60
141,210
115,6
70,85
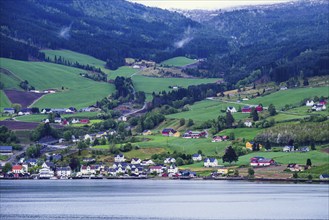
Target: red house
x,y
17,169
246,109
84,121
259,108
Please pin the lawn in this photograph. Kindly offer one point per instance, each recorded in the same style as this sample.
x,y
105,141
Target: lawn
x,y
178,61
317,157
4,101
290,96
40,117
303,110
9,81
78,91
207,110
74,57
285,117
153,84
189,146
124,71
247,133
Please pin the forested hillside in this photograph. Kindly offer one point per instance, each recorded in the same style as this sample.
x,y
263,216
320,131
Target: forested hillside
x,y
270,43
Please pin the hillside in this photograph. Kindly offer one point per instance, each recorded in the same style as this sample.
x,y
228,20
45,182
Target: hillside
x,y
73,89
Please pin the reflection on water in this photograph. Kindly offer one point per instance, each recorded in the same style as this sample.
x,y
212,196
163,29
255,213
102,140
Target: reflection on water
x,y
154,199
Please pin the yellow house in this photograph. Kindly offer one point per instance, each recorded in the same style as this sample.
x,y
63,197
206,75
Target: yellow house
x,y
147,132
250,143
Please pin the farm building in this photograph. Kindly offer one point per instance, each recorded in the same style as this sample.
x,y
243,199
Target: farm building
x,y
246,109
261,162
9,110
195,134
259,108
231,109
309,103
170,132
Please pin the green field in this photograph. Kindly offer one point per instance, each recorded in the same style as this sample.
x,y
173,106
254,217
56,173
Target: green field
x,y
289,97
153,84
247,133
124,71
4,101
178,61
317,157
303,110
207,110
74,57
9,82
78,91
40,117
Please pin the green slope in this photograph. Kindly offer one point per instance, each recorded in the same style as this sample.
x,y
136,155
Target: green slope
x,y
178,61
4,101
78,91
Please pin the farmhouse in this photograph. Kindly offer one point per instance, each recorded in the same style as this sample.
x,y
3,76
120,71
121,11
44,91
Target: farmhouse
x,y
196,157
231,109
147,163
9,110
57,120
210,162
46,111
122,118
170,132
172,169
6,150
63,171
261,162
25,111
119,158
195,134
147,132
318,107
309,103
246,109
91,137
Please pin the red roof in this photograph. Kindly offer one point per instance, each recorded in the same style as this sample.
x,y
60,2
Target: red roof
x,y
17,167
84,121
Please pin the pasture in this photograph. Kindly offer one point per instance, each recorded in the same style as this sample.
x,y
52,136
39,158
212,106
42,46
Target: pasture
x,y
9,81
153,84
208,110
289,97
247,133
73,89
4,101
124,71
178,61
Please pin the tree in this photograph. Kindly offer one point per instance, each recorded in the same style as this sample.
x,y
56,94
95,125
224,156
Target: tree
x,y
308,162
17,107
254,114
190,123
255,146
33,151
295,175
74,164
229,119
305,82
67,135
272,110
230,155
313,145
251,173
232,136
82,145
236,172
200,152
182,122
268,145
179,161
6,168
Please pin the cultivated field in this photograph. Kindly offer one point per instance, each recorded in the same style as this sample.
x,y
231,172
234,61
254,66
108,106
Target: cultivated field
x,y
178,61
23,98
77,91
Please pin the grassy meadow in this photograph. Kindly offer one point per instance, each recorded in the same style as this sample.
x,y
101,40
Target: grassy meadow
x,y
178,61
208,110
4,101
290,96
78,91
124,71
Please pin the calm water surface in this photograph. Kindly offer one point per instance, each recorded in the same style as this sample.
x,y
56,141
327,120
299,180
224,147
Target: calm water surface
x,y
156,199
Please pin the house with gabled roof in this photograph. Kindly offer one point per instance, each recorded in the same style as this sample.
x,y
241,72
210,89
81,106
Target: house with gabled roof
x,y
87,170
169,160
170,132
136,161
9,110
119,158
196,157
6,150
210,162
309,103
172,169
231,109
63,171
17,169
156,169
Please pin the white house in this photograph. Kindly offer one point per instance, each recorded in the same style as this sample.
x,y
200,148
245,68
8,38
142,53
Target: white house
x,y
309,103
91,137
122,118
170,160
147,163
75,121
248,124
9,110
196,157
288,149
231,109
58,120
156,169
63,171
318,107
119,158
136,161
87,170
210,162
46,171
172,169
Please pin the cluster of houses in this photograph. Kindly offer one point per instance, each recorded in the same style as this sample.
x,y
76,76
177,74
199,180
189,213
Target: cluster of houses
x,y
195,134
320,106
290,148
245,109
170,132
219,138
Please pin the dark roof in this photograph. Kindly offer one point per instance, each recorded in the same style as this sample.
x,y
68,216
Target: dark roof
x,y
167,130
6,148
195,155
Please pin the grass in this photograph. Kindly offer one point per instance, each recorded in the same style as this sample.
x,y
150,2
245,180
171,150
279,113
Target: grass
x,y
207,110
303,110
4,101
285,117
290,96
178,61
124,71
78,91
317,157
74,57
144,153
9,81
40,117
247,133
153,84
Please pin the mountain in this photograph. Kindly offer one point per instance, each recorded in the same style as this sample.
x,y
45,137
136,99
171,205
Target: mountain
x,y
276,42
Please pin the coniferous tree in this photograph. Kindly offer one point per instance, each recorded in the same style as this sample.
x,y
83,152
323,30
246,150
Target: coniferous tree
x,y
229,119
272,110
230,155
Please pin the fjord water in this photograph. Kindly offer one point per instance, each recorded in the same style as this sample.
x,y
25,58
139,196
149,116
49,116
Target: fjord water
x,y
156,199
